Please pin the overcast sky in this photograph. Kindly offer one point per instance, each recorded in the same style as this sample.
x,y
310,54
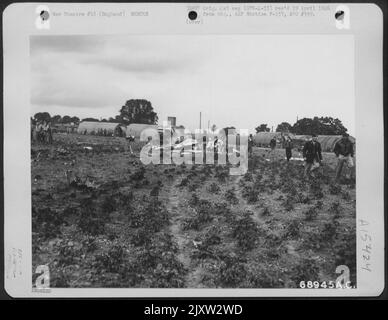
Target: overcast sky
x,y
239,81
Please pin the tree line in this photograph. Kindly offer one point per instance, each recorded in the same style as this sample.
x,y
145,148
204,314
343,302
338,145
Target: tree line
x,y
133,111
307,126
141,111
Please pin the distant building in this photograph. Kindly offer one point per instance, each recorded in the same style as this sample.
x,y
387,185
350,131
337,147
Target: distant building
x,y
135,129
64,127
101,128
172,121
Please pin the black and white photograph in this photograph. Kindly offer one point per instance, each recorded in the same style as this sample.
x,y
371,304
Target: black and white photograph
x,y
104,217
193,150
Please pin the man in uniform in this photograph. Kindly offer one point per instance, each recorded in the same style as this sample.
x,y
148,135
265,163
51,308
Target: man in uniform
x,y
312,152
344,151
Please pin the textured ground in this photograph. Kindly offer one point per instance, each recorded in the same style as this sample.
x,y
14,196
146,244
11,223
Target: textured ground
x,y
122,224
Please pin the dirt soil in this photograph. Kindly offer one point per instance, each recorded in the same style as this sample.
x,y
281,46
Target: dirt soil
x,y
100,218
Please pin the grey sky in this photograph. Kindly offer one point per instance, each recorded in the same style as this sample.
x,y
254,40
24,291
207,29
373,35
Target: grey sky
x,y
239,81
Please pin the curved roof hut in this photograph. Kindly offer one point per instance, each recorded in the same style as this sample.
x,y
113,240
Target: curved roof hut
x,y
135,129
100,128
262,139
327,142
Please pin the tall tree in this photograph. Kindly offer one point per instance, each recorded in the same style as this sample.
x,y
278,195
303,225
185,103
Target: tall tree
x,y
90,119
138,111
56,119
74,120
66,119
42,116
321,126
284,127
262,128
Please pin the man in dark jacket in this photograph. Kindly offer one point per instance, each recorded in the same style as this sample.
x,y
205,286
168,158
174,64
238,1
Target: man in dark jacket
x,y
344,151
272,143
250,145
288,146
312,152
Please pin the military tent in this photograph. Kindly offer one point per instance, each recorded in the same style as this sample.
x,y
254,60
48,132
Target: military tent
x,y
262,139
101,128
135,129
327,142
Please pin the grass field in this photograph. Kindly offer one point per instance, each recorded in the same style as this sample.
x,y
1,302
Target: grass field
x,y
119,223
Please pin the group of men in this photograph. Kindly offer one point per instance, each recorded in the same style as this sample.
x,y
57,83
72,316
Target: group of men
x,y
312,153
343,149
42,132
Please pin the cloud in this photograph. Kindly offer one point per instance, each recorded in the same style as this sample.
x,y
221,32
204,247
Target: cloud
x,y
234,80
141,64
101,71
66,44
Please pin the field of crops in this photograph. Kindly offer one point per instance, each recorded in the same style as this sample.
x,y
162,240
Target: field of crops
x,y
100,218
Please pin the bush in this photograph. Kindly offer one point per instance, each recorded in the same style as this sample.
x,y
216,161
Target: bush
x,y
288,203
109,204
141,237
335,210
59,278
138,175
230,196
89,221
220,208
306,270
264,277
155,191
245,231
111,261
293,229
46,222
316,189
310,214
334,189
329,231
202,215
212,237
232,272
345,251
152,217
69,252
265,212
250,194
213,188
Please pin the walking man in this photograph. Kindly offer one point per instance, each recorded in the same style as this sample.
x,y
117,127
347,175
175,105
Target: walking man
x,y
272,144
318,153
250,145
311,152
49,133
344,151
288,145
131,140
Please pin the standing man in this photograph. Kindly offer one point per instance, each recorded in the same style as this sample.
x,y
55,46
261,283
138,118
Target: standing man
x,y
49,133
311,152
131,140
272,144
344,151
215,146
318,153
38,130
288,146
250,145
